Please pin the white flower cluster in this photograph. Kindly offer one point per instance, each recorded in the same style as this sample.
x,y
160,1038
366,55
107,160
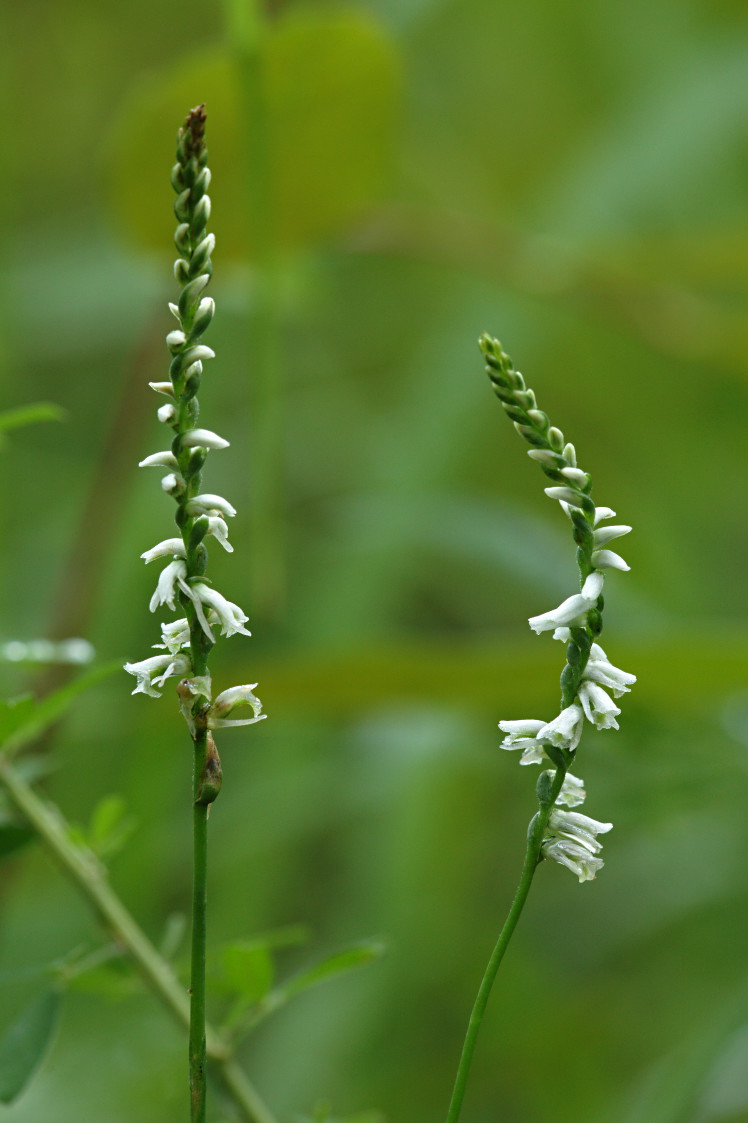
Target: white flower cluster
x,y
571,838
211,608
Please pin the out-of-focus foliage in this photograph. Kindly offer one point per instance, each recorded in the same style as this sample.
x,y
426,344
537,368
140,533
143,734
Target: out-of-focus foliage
x,y
572,178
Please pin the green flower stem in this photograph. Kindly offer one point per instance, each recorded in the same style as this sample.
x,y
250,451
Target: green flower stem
x,y
197,1047
90,878
532,861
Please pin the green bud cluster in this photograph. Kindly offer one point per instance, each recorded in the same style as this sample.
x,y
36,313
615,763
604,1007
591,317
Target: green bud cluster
x,y
551,451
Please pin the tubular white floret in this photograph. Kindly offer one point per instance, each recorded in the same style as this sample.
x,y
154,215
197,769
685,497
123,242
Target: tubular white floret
x,y
175,634
165,459
169,546
608,559
154,671
574,856
572,610
565,731
166,414
208,504
600,670
229,615
598,707
219,715
206,438
607,533
572,792
565,495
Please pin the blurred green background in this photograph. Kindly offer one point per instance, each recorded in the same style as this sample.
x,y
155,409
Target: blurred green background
x,y
392,177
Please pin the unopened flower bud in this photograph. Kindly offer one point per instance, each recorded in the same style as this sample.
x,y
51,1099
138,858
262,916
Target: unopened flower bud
x,y
166,414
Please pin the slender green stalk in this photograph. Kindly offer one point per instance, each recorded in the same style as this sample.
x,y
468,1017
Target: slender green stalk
x,y
531,863
199,937
89,877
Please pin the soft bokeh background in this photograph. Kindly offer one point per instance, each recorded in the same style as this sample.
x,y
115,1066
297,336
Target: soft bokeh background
x,y
391,177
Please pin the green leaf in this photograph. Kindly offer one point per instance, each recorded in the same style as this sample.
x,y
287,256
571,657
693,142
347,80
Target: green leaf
x,y
319,89
30,415
25,1043
333,965
24,719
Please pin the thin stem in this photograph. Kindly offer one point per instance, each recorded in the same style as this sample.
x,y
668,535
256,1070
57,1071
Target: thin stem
x,y
197,1048
90,878
532,860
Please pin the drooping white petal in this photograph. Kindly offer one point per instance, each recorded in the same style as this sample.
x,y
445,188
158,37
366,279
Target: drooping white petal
x,y
230,616
166,588
189,591
164,459
603,513
608,559
574,856
598,706
565,730
206,438
217,527
169,547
